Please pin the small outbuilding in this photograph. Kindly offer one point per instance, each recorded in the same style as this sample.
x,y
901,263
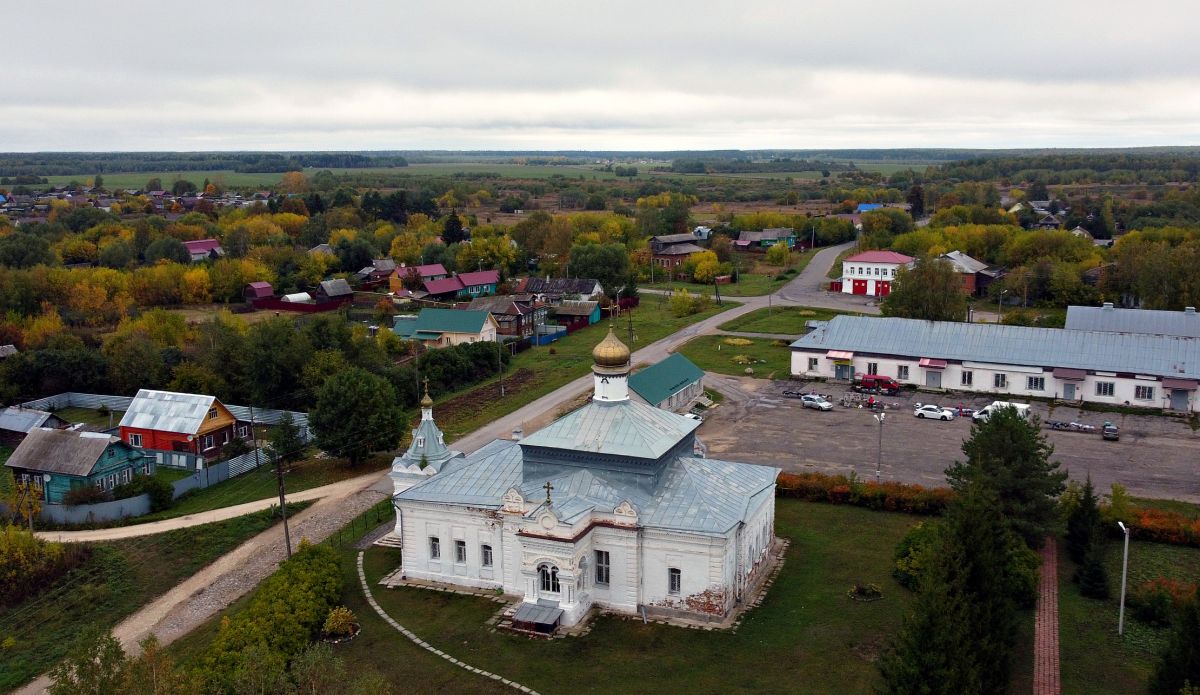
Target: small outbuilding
x,y
673,384
17,422
258,290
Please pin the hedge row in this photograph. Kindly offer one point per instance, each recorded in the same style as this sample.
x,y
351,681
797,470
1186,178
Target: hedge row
x,y
284,616
1162,526
889,496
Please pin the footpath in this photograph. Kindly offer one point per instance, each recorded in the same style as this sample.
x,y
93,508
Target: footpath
x,y
1046,674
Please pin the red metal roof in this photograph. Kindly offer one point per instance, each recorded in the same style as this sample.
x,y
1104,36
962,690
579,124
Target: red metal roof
x,y
202,245
429,270
880,257
443,286
484,277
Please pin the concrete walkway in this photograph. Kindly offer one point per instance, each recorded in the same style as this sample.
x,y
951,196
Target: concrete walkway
x,y
337,489
1045,632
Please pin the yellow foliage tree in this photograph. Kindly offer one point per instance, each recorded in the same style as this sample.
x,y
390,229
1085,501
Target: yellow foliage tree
x,y
290,223
44,327
707,267
779,254
406,248
197,287
337,235
294,182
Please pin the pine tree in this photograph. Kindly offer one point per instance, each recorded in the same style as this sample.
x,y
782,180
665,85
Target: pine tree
x,y
1011,457
1179,662
1091,575
1083,523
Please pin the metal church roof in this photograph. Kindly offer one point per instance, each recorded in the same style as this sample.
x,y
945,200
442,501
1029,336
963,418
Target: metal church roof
x,y
1137,353
625,428
167,411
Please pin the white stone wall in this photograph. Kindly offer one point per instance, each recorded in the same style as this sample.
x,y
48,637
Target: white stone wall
x,y
702,561
983,379
449,523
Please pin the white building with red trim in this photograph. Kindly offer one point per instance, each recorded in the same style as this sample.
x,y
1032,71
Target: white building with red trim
x,y
872,273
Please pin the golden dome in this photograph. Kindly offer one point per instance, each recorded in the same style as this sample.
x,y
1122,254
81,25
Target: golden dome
x,y
611,352
426,401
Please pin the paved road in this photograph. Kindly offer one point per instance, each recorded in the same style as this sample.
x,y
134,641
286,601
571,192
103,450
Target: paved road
x,y
1154,458
808,287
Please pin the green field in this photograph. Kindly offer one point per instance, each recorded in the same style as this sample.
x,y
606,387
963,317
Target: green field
x,y
784,319
119,578
806,631
713,353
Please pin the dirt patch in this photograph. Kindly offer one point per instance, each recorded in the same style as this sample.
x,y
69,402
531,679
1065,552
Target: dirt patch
x,y
467,404
869,649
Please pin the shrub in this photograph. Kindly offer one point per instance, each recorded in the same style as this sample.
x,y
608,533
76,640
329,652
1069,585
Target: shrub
x,y
889,496
339,623
1156,602
910,554
88,494
1091,575
29,564
742,342
162,493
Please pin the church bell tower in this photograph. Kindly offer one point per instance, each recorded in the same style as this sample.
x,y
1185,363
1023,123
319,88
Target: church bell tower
x,y
610,370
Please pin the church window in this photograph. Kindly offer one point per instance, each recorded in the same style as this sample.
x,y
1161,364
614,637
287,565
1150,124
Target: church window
x,y
460,551
435,548
548,578
485,555
420,442
602,567
674,580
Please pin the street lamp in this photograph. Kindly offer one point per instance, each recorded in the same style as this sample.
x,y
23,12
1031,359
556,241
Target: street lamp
x,y
999,301
879,456
1124,576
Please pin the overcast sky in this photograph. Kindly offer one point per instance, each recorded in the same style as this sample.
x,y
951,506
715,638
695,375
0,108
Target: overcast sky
x,y
298,75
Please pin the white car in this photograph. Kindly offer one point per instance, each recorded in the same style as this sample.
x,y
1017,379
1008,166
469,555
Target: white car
x,y
811,400
935,412
694,416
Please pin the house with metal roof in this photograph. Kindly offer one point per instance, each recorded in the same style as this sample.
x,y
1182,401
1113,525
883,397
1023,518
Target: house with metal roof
x,y
445,327
577,312
606,507
204,249
179,422
673,384
516,315
1136,369
8,350
478,284
16,422
258,290
976,275
59,461
765,238
1108,318
337,288
872,273
556,290
421,273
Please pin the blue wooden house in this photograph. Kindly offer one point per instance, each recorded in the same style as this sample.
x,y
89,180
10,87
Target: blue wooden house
x,y
62,460
478,284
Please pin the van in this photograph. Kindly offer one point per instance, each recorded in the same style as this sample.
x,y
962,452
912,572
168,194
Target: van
x,y
876,383
985,412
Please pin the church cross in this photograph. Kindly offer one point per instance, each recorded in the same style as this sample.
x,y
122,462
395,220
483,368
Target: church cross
x,y
548,487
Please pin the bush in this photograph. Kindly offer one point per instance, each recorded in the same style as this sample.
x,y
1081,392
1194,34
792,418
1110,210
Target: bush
x,y
1091,575
1157,601
286,613
29,564
339,623
88,494
162,493
910,554
889,496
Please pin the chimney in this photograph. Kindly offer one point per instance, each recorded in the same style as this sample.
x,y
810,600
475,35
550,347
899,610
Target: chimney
x,y
1189,310
1107,306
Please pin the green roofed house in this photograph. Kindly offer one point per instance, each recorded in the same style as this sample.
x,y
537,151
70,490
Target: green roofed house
x,y
671,384
446,327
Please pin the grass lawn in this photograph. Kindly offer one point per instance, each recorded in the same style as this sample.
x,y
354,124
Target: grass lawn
x,y
116,580
90,416
260,484
1094,659
713,353
786,319
749,284
538,371
806,632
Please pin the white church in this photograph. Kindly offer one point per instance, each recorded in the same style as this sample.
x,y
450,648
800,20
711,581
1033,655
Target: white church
x,y
606,507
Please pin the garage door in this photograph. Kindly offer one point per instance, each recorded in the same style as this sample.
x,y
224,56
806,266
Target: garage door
x,y
882,288
860,287
933,378
1179,399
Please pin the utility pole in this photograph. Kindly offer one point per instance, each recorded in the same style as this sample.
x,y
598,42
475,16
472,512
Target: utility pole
x,y
629,312
278,460
500,365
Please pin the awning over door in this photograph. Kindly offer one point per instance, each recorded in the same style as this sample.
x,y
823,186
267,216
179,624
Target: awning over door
x,y
1184,384
930,363
839,355
1064,374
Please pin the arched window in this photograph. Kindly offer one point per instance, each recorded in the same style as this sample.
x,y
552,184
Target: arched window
x,y
548,578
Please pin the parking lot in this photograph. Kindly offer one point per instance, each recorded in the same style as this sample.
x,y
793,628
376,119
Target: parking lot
x,y
1156,456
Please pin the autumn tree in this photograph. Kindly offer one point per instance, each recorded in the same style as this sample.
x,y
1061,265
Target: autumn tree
x,y
294,182
707,267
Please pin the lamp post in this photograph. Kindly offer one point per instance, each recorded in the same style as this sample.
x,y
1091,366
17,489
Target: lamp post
x,y
1124,576
999,301
879,456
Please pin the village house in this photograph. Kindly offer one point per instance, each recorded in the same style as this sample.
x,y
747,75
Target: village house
x,y
976,276
59,461
555,290
16,422
258,290
446,327
423,273
607,507
673,384
673,250
762,240
871,273
204,250
478,284
8,351
337,288
1110,368
517,316
570,312
443,289
184,423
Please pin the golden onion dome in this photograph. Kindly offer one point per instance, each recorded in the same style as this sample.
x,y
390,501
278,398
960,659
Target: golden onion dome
x,y
426,401
611,352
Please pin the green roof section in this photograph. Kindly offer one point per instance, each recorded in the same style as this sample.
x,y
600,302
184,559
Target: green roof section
x,y
434,322
659,382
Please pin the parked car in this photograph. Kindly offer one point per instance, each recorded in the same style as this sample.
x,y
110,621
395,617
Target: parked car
x,y
693,416
936,412
811,400
1110,432
876,383
985,412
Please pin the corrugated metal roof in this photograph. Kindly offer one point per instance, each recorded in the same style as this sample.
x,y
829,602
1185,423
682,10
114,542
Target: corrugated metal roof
x,y
483,277
337,287
1114,320
1137,353
660,381
879,257
22,419
964,263
625,428
167,411
450,321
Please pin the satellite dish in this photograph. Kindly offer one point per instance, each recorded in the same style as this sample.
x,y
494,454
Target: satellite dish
x,y
46,477
191,437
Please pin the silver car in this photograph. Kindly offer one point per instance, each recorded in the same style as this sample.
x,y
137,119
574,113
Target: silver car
x,y
810,400
935,412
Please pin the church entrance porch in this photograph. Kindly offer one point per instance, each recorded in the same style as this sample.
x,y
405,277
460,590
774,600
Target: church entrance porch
x,y
536,617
